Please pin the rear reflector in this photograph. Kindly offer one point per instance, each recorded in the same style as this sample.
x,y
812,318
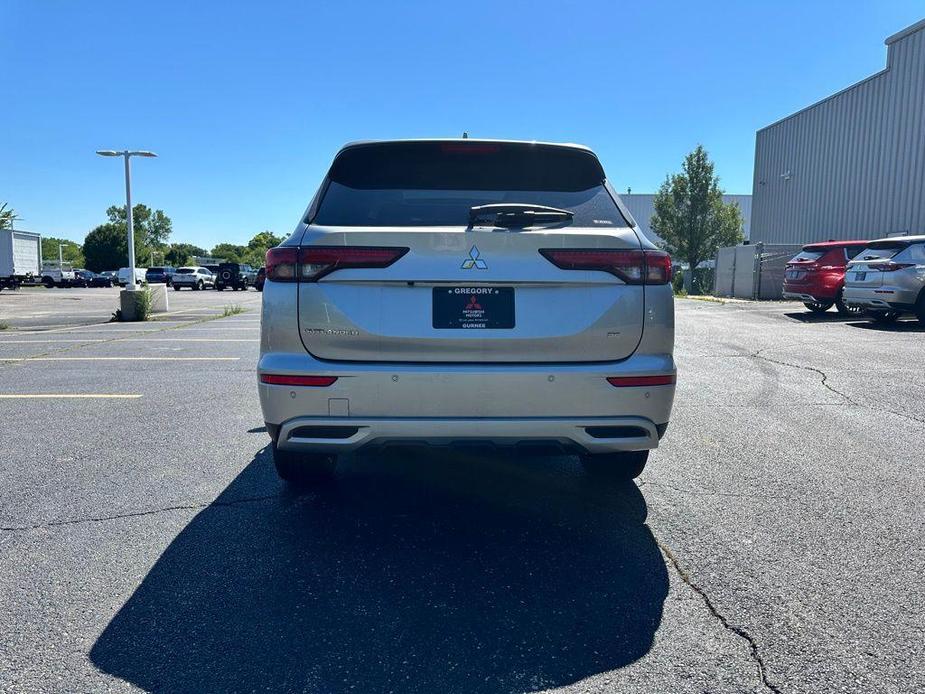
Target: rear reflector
x,y
637,381
281,380
310,263
631,266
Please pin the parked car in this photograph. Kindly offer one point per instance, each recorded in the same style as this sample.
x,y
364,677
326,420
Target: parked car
x,y
261,278
160,275
235,276
816,275
92,279
194,277
446,291
887,279
125,273
113,276
57,275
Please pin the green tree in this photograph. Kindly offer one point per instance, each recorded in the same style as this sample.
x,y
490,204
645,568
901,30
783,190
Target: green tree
x,y
7,216
71,250
230,252
106,247
258,246
182,254
154,226
690,214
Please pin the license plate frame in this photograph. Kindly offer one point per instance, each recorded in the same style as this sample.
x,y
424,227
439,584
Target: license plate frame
x,y
473,308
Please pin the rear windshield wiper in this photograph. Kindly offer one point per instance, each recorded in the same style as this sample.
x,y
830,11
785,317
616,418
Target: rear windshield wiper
x,y
515,214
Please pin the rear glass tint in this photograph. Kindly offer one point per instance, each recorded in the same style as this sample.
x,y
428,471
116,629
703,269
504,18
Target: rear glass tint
x,y
881,250
186,271
435,183
806,256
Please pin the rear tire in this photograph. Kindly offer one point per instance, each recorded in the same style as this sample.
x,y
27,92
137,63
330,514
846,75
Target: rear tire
x,y
303,469
615,466
48,282
176,287
846,310
199,285
883,317
818,306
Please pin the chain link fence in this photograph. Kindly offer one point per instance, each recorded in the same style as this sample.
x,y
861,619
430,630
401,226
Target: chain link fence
x,y
752,271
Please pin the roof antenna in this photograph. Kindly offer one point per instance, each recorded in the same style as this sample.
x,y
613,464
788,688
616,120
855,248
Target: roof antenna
x,y
465,135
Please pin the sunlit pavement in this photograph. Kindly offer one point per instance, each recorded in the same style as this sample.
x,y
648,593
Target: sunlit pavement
x,y
773,544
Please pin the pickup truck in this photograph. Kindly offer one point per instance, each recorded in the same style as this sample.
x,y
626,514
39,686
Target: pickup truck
x,y
58,275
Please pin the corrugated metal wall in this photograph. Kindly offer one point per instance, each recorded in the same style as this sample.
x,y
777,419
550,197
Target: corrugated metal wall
x,y
642,207
853,165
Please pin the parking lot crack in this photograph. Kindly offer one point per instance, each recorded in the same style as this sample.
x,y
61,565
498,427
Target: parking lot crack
x,y
848,400
136,514
726,624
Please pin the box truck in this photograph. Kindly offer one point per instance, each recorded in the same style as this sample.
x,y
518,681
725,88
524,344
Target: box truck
x,y
20,257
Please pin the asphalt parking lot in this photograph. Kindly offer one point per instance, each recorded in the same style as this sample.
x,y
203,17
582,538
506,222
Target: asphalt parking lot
x,y
774,543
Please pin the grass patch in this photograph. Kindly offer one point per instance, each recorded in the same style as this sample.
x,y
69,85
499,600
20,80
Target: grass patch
x,y
4,326
705,297
232,310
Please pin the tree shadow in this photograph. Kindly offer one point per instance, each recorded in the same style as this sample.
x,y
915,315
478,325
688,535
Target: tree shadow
x,y
413,572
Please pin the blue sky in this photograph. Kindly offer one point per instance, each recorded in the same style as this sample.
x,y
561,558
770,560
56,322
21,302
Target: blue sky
x,y
247,102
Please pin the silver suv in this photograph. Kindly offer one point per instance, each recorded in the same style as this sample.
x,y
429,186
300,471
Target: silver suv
x,y
456,291
888,278
194,278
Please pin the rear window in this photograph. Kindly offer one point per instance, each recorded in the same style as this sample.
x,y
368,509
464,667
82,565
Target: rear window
x,y
436,183
806,256
186,271
155,269
879,251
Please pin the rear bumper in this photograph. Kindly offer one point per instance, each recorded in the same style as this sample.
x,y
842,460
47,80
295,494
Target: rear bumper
x,y
814,298
503,404
881,298
592,435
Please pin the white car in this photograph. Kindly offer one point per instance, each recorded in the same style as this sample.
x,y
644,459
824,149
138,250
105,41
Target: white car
x,y
57,275
125,273
454,291
194,278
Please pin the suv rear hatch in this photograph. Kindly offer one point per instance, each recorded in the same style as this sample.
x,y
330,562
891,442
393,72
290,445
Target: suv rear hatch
x,y
865,269
421,277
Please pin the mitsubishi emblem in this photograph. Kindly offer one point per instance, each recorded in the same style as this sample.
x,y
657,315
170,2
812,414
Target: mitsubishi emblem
x,y
474,261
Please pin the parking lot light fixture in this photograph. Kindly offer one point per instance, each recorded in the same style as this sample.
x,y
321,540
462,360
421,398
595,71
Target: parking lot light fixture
x,y
128,154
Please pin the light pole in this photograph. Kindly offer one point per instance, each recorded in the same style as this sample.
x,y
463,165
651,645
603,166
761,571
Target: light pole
x,y
127,154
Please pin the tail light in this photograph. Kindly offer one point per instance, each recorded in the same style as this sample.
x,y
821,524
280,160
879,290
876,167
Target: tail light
x,y
631,266
889,267
311,263
637,381
285,380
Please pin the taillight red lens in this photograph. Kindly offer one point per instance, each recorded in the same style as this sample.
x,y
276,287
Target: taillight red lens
x,y
284,380
631,266
890,267
636,381
318,261
310,263
282,264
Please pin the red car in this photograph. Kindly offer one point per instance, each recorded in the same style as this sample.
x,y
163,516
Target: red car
x,y
816,275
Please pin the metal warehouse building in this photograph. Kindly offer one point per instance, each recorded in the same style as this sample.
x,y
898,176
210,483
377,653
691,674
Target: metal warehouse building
x,y
852,165
642,207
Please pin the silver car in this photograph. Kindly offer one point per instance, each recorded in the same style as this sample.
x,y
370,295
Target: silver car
x,y
193,277
456,291
888,278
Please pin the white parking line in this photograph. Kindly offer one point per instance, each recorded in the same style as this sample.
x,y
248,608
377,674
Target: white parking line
x,y
69,396
131,339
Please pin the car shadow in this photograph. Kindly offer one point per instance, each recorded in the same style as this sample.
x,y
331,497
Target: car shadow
x,y
412,572
827,317
900,326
